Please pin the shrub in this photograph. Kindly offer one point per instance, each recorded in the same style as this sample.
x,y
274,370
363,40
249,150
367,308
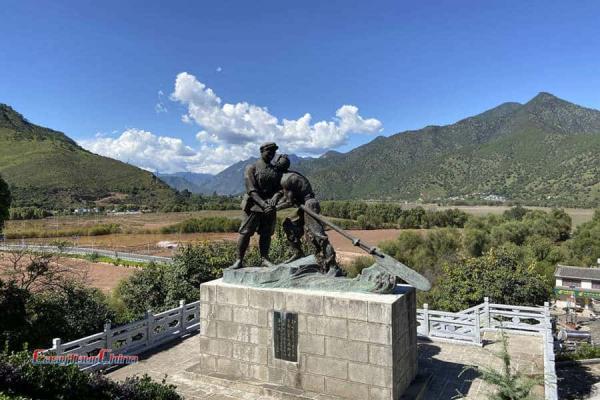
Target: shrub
x,y
357,265
19,377
199,225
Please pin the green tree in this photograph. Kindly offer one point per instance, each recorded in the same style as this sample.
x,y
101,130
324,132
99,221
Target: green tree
x,y
584,247
499,274
5,200
144,290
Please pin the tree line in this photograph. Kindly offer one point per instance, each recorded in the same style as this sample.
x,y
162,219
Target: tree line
x,y
390,215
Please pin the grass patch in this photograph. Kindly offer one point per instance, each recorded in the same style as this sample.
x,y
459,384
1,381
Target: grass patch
x,y
95,230
202,225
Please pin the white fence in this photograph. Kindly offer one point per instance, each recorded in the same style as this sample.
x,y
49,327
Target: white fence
x,y
135,337
466,327
86,251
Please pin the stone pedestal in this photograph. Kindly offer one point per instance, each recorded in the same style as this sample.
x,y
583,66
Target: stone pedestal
x,y
351,345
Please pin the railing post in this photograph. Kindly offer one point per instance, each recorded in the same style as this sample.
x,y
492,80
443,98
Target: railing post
x,y
57,346
486,312
181,317
108,334
477,328
426,319
149,327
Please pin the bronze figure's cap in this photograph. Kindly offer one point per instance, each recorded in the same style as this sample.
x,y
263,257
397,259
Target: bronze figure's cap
x,y
282,162
268,145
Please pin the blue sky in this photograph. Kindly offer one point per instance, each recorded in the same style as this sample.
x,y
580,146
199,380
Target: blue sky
x,y
95,70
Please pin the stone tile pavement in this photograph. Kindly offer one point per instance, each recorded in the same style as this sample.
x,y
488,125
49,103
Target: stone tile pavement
x,y
446,362
179,360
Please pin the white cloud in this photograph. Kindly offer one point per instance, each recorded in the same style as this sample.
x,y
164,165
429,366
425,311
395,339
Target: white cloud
x,y
229,133
242,123
219,69
159,153
160,108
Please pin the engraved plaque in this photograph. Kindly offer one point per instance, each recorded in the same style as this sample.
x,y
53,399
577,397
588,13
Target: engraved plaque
x,y
285,335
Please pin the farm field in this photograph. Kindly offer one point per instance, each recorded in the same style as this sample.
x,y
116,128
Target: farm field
x,y
102,276
149,243
129,223
152,222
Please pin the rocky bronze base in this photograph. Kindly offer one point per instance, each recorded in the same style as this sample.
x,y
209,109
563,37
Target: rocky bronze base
x,y
304,273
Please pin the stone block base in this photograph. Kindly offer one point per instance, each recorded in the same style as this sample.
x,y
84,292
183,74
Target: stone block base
x,y
349,345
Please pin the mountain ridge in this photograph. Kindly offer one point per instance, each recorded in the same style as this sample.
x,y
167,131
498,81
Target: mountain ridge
x,y
543,151
46,168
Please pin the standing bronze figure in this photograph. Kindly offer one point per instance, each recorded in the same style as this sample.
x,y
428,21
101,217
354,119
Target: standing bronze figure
x,y
297,191
262,182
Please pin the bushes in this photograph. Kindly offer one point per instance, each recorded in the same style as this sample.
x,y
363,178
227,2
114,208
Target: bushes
x,y
5,200
387,215
357,265
20,213
499,274
96,230
19,377
584,248
198,225
68,312
584,351
161,287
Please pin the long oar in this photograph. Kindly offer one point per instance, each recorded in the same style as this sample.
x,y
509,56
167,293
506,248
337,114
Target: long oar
x,y
387,263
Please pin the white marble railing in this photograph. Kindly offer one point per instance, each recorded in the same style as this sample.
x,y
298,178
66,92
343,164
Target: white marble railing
x,y
455,326
466,327
137,336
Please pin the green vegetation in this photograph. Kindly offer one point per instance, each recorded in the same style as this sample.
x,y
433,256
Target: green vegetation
x,y
357,265
520,247
585,245
584,351
389,215
21,379
543,152
187,201
20,213
5,200
37,305
95,230
208,224
47,169
159,288
499,274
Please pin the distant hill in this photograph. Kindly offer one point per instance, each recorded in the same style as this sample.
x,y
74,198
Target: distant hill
x,y
46,168
546,151
186,181
230,181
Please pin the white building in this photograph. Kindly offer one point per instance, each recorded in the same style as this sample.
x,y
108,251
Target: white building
x,y
576,285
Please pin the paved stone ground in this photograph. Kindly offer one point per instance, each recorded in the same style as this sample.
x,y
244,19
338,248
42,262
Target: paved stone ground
x,y
445,361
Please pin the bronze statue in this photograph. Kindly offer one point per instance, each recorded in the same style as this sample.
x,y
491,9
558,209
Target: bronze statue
x,y
273,187
262,182
296,191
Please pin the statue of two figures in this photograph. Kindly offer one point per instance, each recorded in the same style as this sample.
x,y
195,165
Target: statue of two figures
x,y
272,186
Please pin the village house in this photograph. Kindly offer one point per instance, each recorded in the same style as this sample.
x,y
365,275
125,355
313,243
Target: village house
x,y
576,286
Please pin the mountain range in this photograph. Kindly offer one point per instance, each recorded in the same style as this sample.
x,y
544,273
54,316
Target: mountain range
x,y
545,151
